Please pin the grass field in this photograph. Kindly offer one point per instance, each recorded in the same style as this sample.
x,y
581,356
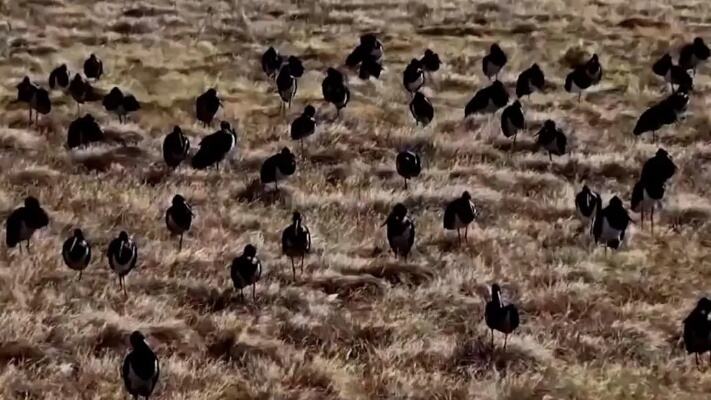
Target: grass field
x,y
358,324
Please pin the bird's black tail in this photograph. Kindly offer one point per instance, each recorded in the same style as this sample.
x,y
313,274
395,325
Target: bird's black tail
x,y
202,160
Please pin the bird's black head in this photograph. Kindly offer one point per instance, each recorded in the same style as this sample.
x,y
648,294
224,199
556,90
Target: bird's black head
x,y
516,104
499,86
704,305
332,72
495,48
296,67
661,153
399,211
178,200
419,96
92,57
296,217
615,202
225,126
495,289
88,117
123,236
137,339
549,124
62,68
177,130
77,78
115,91
369,40
586,189
466,195
285,151
250,251
78,234
31,202
25,82
594,59
699,42
309,111
211,92
429,53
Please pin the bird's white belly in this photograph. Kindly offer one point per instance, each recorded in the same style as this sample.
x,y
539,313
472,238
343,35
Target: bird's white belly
x,y
280,175
414,85
120,268
137,383
648,203
403,239
609,233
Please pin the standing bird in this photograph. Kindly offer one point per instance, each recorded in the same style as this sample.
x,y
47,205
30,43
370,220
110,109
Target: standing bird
x,y
400,231
83,131
304,125
413,78
93,67
673,74
647,196
59,78
82,91
179,218
141,369
430,61
459,213
408,165
278,167
206,106
271,62
369,48
123,256
25,93
369,67
175,147
120,104
611,223
658,168
666,112
530,81
584,76
246,270
500,317
693,54
487,100
23,222
335,89
552,139
493,62
512,121
215,147
76,252
296,241
697,329
421,109
40,103
587,203
593,69
287,81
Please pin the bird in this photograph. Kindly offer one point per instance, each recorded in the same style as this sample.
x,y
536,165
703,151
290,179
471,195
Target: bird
x,y
41,103
23,222
487,100
673,74
499,316
120,104
408,165
83,131
93,67
593,69
660,167
296,241
400,231
141,368
246,270
646,197
82,91
694,53
666,112
26,93
335,89
459,213
529,81
176,147
610,224
123,256
493,62
215,147
512,121
179,218
697,329
271,62
430,61
369,48
278,167
369,67
587,203
287,81
413,78
577,81
206,106
552,139
59,78
76,252
421,109
304,125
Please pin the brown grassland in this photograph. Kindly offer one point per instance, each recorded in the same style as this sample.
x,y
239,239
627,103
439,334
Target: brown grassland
x,y
358,324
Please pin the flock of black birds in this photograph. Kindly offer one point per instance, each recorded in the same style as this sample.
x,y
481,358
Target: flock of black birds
x,y
607,225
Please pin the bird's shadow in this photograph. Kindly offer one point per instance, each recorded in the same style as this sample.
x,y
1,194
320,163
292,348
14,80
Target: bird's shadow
x,y
477,357
256,192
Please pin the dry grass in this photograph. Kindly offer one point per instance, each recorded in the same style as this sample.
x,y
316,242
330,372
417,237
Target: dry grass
x,y
357,324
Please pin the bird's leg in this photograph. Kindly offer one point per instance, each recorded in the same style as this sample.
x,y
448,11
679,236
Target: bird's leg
x,y
492,339
697,359
302,265
254,291
80,272
459,236
506,338
78,111
513,146
125,294
293,268
405,183
276,184
241,293
466,233
641,220
29,108
550,156
579,95
36,118
28,246
651,220
180,244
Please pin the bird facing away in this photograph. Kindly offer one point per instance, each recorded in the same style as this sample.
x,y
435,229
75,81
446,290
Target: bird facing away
x,y
59,78
512,121
26,91
76,252
648,192
296,241
493,62
23,222
369,49
421,109
271,62
697,329
500,317
658,168
413,78
287,80
693,54
587,203
335,89
593,69
206,106
584,76
93,67
400,231
408,165
369,67
82,91
430,61
141,369
304,125
176,147
552,139
120,104
278,167
459,213
611,223
41,103
84,131
529,81
215,147
123,256
487,100
246,270
179,218
666,112
673,74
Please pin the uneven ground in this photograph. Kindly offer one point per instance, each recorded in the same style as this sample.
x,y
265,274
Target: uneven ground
x,y
357,324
